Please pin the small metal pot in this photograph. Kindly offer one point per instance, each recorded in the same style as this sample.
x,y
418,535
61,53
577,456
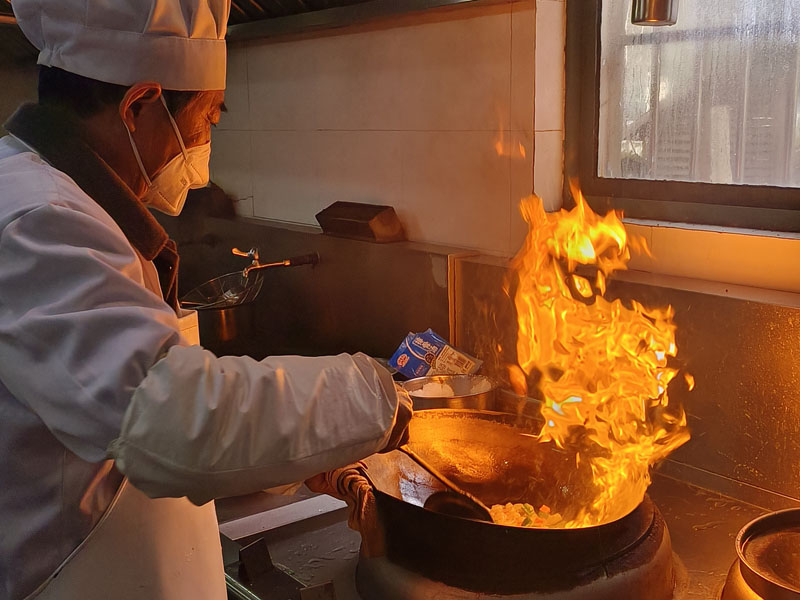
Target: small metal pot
x,y
768,563
224,308
221,325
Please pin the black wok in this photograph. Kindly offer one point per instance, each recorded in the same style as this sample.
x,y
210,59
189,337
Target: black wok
x,y
496,457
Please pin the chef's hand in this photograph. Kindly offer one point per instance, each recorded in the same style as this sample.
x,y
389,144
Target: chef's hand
x,y
405,410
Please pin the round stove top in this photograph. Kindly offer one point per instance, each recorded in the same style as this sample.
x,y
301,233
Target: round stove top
x,y
646,569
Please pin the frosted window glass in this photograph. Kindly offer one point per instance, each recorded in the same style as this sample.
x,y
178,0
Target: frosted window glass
x,y
712,99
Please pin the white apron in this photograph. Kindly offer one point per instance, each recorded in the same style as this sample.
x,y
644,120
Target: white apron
x,y
145,549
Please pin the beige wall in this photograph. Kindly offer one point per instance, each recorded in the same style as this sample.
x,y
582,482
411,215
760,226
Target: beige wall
x,y
431,113
18,86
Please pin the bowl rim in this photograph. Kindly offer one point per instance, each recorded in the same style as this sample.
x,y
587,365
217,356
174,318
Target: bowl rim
x,y
443,378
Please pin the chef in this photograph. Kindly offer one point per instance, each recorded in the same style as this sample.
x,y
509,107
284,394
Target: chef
x,y
115,432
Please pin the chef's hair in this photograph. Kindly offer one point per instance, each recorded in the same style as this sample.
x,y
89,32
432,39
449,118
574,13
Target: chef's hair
x,y
86,97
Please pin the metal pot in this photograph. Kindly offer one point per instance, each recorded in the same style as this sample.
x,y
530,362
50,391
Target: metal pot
x,y
219,327
224,305
768,559
495,457
224,308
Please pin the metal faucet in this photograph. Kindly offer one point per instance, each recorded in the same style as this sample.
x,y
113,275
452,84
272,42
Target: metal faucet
x,y
255,265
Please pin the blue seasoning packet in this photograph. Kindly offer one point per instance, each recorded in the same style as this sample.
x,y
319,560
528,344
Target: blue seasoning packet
x,y
427,353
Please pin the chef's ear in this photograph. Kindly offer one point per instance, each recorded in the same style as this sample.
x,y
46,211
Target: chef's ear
x,y
137,96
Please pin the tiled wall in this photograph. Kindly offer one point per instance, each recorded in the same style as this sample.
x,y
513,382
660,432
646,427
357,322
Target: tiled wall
x,y
432,113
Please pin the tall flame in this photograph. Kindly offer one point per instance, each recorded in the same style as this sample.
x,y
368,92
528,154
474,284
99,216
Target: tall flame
x,y
600,367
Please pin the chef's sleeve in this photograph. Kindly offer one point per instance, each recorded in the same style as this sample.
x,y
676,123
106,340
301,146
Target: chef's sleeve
x,y
206,426
100,360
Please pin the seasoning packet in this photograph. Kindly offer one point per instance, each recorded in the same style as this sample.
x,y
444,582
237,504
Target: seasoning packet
x,y
427,353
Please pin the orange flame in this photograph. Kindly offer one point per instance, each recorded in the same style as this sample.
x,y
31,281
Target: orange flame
x,y
601,366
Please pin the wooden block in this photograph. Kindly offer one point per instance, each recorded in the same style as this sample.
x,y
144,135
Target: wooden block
x,y
370,222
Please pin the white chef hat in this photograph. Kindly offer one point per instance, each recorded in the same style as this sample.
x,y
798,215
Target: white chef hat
x,y
177,43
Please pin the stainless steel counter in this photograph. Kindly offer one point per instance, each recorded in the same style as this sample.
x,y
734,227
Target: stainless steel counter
x,y
703,525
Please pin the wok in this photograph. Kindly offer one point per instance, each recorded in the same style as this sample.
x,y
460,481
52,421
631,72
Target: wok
x,y
495,456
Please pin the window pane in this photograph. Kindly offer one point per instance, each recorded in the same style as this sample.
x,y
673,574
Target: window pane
x,y
712,99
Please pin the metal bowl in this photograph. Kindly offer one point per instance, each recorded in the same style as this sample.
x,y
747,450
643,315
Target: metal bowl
x,y
468,391
495,399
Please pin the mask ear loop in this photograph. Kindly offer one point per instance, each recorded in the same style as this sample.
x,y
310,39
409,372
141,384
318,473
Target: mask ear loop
x,y
178,135
174,127
138,158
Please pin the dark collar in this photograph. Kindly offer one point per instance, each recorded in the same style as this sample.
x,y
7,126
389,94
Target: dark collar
x,y
56,135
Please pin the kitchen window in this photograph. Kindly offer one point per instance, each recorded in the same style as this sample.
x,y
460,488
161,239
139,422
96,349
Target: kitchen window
x,y
697,122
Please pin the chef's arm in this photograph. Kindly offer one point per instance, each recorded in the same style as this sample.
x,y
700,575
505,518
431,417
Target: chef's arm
x,y
207,427
100,361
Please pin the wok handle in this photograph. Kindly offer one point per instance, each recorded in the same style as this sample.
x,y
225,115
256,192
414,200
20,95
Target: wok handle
x,y
353,485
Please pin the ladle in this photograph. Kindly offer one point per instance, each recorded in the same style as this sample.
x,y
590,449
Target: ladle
x,y
454,501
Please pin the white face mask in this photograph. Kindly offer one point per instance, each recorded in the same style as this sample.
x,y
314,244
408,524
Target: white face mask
x,y
167,191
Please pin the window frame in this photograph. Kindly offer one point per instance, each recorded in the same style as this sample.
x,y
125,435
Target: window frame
x,y
726,205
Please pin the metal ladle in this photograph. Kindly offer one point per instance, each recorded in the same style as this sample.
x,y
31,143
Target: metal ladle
x,y
454,501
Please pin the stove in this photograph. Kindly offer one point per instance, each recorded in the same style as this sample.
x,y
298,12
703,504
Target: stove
x,y
321,554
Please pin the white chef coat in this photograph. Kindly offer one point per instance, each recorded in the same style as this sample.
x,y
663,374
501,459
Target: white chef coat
x,y
93,368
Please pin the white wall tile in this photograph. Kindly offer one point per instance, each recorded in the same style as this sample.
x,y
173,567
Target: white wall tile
x,y
456,73
301,173
442,75
550,78
456,189
231,168
360,166
236,92
523,40
433,115
359,78
521,187
284,84
548,172
286,176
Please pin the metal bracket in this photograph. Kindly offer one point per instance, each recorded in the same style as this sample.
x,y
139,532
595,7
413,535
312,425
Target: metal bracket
x,y
255,560
321,591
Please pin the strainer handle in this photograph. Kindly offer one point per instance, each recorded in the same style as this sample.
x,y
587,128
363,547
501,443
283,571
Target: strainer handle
x,y
252,254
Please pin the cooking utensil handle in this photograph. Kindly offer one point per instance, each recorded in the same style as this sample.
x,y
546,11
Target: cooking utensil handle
x,y
295,261
305,259
436,473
